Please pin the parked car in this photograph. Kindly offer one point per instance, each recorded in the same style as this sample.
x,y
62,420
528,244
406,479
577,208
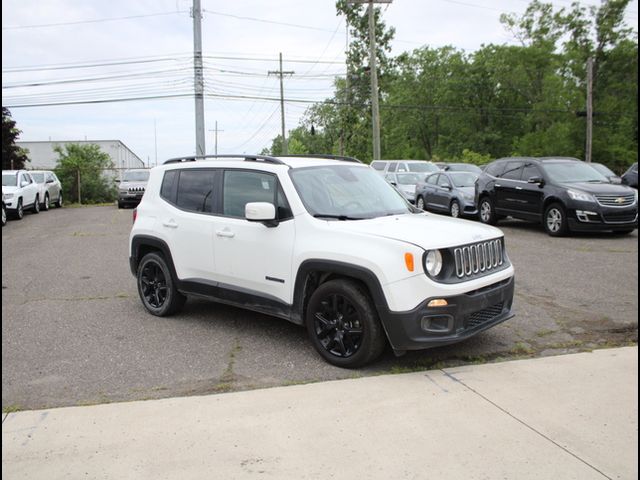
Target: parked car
x,y
450,192
461,167
405,183
20,192
607,172
630,177
565,194
401,166
132,187
50,188
4,212
321,242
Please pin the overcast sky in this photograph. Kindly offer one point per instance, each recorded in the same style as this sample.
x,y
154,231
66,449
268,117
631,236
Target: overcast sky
x,y
43,43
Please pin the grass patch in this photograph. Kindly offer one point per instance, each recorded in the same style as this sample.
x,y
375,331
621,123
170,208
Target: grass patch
x,y
84,205
521,348
563,345
545,332
11,409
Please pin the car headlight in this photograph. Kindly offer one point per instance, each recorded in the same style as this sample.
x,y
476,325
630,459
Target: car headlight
x,y
433,262
8,195
468,196
582,196
636,194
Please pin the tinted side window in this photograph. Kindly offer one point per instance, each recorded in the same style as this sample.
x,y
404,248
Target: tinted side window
x,y
195,190
494,169
443,181
403,167
167,190
530,170
378,165
284,211
432,180
242,187
393,166
513,171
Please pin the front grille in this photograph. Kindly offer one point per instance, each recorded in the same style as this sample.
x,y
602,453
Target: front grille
x,y
620,217
623,200
136,189
478,318
478,258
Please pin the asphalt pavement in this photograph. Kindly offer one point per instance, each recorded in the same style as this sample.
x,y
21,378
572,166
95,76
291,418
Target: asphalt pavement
x,y
561,417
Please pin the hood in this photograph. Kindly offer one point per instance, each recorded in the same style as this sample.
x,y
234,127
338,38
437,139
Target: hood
x,y
467,190
133,184
425,230
600,188
6,190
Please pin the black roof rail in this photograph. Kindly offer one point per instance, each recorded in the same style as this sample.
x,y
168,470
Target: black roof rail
x,y
247,158
320,155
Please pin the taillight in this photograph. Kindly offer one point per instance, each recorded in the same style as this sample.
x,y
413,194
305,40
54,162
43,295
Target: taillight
x,y
135,214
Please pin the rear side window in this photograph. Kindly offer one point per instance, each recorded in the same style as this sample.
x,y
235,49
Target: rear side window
x,y
378,166
432,179
443,181
242,187
393,166
195,190
167,190
494,169
513,171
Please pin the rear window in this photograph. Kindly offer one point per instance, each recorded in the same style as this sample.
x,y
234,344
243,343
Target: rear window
x,y
167,190
422,167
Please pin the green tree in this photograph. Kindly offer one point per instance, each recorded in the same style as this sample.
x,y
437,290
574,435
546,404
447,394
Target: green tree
x,y
13,157
81,169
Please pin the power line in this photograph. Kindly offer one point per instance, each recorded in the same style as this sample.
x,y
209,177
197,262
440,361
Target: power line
x,y
96,20
273,22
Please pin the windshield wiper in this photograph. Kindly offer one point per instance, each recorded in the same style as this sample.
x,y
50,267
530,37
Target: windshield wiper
x,y
337,217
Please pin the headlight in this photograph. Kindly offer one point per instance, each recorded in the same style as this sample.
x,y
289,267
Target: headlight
x,y
433,262
468,196
636,194
582,196
8,195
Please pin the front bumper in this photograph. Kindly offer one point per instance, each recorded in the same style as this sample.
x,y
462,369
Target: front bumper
x,y
597,218
130,197
465,315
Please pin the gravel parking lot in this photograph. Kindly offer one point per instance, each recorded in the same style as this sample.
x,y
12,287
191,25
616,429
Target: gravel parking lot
x,y
74,331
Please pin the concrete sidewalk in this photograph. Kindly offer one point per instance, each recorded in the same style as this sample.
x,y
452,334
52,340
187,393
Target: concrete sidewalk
x,y
572,416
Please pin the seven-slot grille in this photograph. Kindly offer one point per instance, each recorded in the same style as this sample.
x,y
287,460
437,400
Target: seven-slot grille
x,y
624,200
478,258
136,189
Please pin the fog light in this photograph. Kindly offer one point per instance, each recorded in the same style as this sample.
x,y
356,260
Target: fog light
x,y
438,302
583,215
437,324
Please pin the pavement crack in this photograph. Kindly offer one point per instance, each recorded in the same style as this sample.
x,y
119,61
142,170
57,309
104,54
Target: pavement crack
x,y
522,422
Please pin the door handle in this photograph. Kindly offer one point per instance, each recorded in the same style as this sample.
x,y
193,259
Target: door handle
x,y
518,188
170,224
498,185
225,233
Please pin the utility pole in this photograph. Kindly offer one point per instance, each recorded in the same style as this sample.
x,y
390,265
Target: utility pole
x,y
155,140
589,109
281,74
196,12
375,108
216,137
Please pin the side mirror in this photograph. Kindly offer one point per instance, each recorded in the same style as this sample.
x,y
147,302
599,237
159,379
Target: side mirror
x,y
394,184
538,180
24,183
261,212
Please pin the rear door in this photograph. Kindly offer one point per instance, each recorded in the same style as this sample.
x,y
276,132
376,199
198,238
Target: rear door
x,y
529,196
505,187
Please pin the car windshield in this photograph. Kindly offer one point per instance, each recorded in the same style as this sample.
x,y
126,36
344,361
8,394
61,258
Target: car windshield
x,y
347,192
603,170
422,167
465,168
141,176
573,172
38,177
463,179
409,178
9,179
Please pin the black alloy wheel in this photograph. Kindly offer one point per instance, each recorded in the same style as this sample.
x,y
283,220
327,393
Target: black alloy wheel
x,y
156,288
343,324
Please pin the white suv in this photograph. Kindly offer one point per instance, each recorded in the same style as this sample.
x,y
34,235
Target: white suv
x,y
321,242
20,192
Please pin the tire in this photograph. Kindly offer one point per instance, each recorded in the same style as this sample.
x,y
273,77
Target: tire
x,y
454,209
420,203
120,204
156,287
19,214
58,203
341,310
46,204
555,220
4,215
486,212
36,205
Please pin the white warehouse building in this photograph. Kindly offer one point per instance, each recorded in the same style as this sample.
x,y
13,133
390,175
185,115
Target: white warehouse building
x,y
42,155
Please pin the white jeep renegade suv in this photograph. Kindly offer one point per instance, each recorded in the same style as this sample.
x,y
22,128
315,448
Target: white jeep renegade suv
x,y
323,242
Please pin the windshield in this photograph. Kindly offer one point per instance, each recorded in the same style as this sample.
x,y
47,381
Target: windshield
x,y
141,176
38,177
9,179
408,178
603,170
422,167
573,172
347,192
463,179
465,168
